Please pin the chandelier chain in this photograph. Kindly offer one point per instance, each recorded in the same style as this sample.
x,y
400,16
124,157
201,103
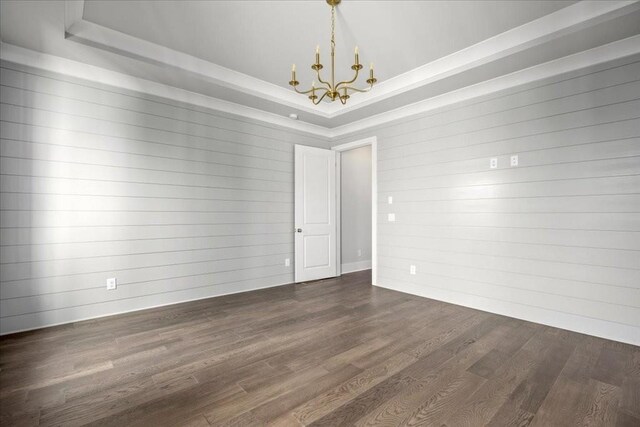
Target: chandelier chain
x,y
333,27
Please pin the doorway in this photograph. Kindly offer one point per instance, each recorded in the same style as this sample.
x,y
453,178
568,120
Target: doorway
x,y
356,183
324,243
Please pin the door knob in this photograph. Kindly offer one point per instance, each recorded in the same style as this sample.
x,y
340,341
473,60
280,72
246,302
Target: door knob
x,y
298,230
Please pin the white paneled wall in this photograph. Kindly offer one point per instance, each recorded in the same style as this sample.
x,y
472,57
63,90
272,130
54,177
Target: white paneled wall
x,y
177,202
555,240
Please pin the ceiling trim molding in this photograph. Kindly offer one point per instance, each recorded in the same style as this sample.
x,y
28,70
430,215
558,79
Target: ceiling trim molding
x,y
601,54
549,27
609,52
56,64
97,36
73,12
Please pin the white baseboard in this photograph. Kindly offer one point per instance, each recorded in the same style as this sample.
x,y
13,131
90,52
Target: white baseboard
x,y
585,325
350,267
114,308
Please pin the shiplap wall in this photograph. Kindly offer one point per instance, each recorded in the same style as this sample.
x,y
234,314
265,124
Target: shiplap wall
x,y
175,201
555,240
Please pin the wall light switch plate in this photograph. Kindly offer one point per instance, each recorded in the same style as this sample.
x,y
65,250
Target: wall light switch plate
x,y
391,217
493,163
390,200
514,160
412,269
111,284
287,262
359,252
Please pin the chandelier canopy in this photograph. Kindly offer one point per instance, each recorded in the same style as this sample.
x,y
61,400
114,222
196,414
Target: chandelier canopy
x,y
332,89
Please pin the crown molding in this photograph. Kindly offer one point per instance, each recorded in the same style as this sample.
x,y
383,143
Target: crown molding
x,y
609,52
601,54
56,64
95,35
549,27
572,18
577,16
73,11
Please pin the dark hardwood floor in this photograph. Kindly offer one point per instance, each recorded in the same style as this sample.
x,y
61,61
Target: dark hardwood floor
x,y
334,352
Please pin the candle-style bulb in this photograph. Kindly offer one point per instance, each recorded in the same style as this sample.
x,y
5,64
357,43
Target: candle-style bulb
x,y
313,84
371,66
356,50
317,49
293,68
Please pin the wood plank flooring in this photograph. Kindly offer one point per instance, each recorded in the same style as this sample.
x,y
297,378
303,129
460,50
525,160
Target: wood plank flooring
x,y
328,353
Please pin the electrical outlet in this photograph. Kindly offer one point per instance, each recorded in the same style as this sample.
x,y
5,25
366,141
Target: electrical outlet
x,y
514,160
111,284
493,163
391,217
390,200
412,269
287,262
359,252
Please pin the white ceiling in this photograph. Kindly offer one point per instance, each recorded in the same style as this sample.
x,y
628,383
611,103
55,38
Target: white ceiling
x,y
263,38
241,51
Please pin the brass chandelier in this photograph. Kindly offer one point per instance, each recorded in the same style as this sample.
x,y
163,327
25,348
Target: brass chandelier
x,y
332,90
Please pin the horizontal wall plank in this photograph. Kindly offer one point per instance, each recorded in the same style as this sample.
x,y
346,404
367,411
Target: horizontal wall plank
x,y
559,110
36,151
96,187
50,119
126,119
617,130
601,151
556,239
44,82
552,172
593,309
60,169
127,276
454,137
26,236
228,258
623,277
59,202
231,155
546,285
590,187
176,201
586,325
581,81
73,314
617,240
70,218
567,254
549,220
25,305
30,253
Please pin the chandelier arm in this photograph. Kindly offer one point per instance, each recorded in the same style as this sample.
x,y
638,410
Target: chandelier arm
x,y
322,81
355,89
349,81
303,92
319,100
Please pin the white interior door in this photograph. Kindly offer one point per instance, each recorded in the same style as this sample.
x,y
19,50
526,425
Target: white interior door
x,y
315,213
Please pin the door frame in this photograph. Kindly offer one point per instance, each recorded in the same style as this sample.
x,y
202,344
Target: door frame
x,y
373,142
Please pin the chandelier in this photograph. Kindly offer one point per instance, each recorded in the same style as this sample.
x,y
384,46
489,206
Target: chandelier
x,y
330,89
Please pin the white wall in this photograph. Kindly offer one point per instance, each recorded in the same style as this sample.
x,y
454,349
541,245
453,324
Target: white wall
x,y
177,202
555,240
355,206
